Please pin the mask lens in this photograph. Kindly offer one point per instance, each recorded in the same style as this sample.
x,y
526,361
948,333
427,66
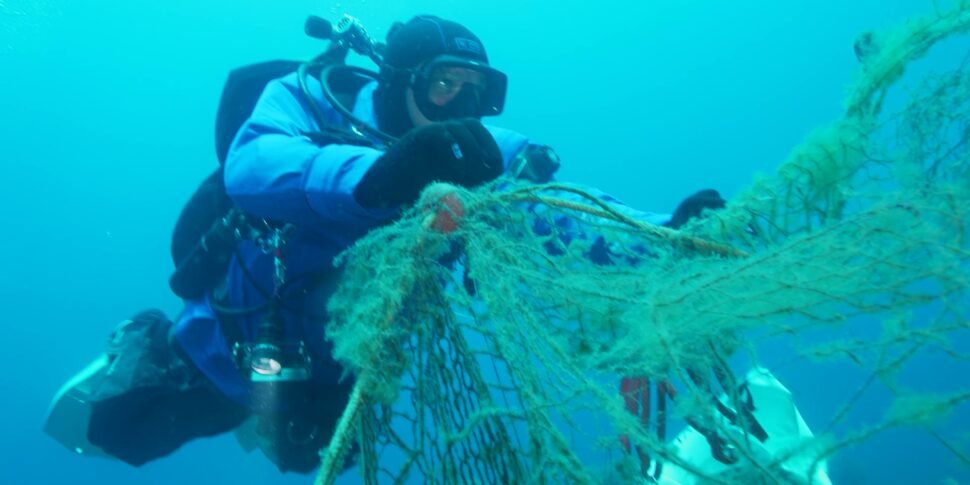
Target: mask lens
x,y
446,82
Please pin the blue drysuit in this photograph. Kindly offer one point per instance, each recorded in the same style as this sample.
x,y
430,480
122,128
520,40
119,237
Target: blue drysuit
x,y
275,172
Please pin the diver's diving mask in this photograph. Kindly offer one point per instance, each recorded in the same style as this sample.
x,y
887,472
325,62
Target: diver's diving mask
x,y
450,87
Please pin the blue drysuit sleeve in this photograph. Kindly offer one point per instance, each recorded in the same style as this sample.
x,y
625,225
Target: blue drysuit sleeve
x,y
276,172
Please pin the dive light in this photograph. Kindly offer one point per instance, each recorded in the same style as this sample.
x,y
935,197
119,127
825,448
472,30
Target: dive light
x,y
268,359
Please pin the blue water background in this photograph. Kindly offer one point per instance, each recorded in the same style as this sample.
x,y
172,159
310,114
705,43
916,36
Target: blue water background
x,y
106,122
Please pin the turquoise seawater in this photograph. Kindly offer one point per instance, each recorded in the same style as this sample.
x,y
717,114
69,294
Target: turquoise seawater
x,y
106,128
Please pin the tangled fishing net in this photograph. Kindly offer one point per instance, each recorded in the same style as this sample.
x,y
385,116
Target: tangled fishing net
x,y
487,346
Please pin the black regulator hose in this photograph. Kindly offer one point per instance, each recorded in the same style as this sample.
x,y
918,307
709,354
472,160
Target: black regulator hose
x,y
328,70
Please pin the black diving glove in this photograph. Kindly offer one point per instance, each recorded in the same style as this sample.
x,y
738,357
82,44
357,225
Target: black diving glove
x,y
460,152
694,205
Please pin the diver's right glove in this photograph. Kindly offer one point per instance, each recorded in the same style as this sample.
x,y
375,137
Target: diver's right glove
x,y
460,152
694,205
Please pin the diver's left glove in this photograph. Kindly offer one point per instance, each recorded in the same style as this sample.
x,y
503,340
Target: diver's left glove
x,y
694,205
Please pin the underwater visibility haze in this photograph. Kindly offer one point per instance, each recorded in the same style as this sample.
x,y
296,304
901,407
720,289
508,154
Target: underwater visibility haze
x,y
835,130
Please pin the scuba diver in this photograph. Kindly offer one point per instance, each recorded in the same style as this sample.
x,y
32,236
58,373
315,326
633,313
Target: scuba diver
x,y
323,155
313,156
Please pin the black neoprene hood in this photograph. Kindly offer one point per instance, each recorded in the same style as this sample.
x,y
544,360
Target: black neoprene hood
x,y
426,36
408,45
